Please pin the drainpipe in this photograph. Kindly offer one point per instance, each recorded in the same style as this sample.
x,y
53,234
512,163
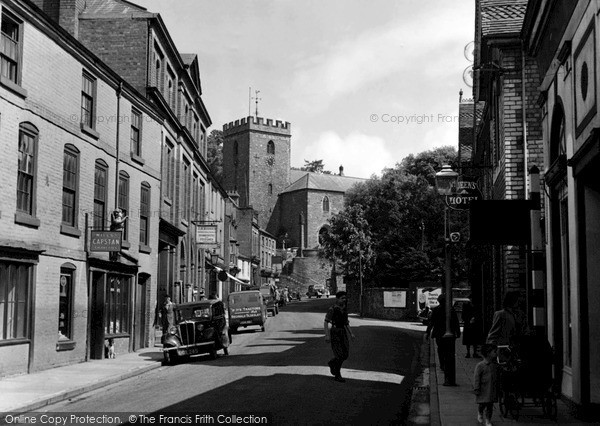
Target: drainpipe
x,y
524,118
117,160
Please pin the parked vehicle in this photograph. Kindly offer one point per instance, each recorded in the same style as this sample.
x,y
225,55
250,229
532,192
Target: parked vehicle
x,y
316,290
270,298
200,327
247,308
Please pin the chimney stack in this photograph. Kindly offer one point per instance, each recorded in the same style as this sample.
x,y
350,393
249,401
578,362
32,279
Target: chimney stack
x,y
341,170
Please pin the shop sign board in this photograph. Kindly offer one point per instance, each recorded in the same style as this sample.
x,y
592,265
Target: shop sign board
x,y
106,241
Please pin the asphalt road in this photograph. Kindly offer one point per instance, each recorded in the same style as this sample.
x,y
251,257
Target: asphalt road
x,y
281,373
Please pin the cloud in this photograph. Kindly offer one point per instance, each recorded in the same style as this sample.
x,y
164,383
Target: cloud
x,y
410,53
361,155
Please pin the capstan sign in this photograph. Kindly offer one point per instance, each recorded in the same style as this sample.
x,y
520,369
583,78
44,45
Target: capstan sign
x,y
105,241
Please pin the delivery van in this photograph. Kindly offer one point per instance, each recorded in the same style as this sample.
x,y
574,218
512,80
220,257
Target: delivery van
x,y
246,308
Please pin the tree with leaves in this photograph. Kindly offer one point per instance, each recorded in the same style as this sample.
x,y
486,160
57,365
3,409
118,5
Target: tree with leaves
x,y
315,166
214,149
348,241
405,221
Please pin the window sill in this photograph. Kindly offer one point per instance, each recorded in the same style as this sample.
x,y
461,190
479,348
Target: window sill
x,y
137,159
89,131
167,201
66,345
145,249
70,231
125,245
27,220
13,87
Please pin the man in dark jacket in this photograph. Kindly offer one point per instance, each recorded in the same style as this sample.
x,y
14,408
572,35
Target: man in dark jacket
x,y
437,328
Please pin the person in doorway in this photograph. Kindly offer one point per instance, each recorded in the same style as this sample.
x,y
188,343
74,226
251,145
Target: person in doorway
x,y
485,383
337,334
437,328
471,329
167,315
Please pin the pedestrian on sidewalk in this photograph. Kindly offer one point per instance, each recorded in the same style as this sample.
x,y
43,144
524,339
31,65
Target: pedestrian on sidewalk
x,y
472,333
509,326
437,328
485,383
337,317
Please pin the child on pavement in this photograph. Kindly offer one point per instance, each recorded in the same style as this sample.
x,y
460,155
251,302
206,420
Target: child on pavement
x,y
485,383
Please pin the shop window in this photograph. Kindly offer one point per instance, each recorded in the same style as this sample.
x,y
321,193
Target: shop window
x,y
65,302
16,280
117,305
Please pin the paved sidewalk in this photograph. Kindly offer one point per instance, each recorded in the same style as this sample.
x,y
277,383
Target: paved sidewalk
x,y
455,405
29,392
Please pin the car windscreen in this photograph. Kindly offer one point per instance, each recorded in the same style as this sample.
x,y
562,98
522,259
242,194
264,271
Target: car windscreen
x,y
194,312
242,299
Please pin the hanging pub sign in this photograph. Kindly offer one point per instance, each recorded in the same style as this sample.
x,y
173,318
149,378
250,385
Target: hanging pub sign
x,y
206,234
106,241
466,192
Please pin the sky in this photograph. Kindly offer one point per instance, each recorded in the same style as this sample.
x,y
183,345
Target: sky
x,y
364,83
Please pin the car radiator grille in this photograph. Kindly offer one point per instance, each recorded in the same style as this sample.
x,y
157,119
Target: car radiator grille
x,y
187,331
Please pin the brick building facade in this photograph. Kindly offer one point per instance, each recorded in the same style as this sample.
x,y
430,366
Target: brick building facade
x,y
69,135
509,137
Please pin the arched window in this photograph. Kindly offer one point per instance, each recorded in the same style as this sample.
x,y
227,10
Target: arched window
x,y
70,185
322,232
270,189
123,199
145,214
271,148
325,203
100,188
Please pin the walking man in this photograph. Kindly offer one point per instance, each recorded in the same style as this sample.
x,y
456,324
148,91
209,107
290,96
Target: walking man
x,y
337,317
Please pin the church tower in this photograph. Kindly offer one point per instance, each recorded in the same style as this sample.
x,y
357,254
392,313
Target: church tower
x,y
256,162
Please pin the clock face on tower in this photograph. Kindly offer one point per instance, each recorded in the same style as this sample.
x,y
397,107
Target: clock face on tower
x,y
270,160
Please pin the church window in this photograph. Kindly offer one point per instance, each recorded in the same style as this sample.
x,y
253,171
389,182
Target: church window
x,y
271,148
325,204
270,189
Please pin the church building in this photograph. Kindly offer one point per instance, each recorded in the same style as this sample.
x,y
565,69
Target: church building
x,y
293,205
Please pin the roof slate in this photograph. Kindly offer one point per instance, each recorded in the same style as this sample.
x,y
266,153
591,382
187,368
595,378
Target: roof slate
x,y
303,180
114,7
502,17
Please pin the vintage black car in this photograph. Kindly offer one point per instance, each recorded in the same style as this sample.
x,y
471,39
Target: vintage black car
x,y
200,327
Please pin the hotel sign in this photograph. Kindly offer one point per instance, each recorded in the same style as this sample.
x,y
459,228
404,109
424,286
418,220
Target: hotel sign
x,y
206,234
106,241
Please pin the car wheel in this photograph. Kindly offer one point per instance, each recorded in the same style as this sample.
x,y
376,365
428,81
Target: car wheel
x,y
213,353
169,358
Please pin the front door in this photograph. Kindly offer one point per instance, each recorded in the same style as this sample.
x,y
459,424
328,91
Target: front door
x,y
97,292
139,325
